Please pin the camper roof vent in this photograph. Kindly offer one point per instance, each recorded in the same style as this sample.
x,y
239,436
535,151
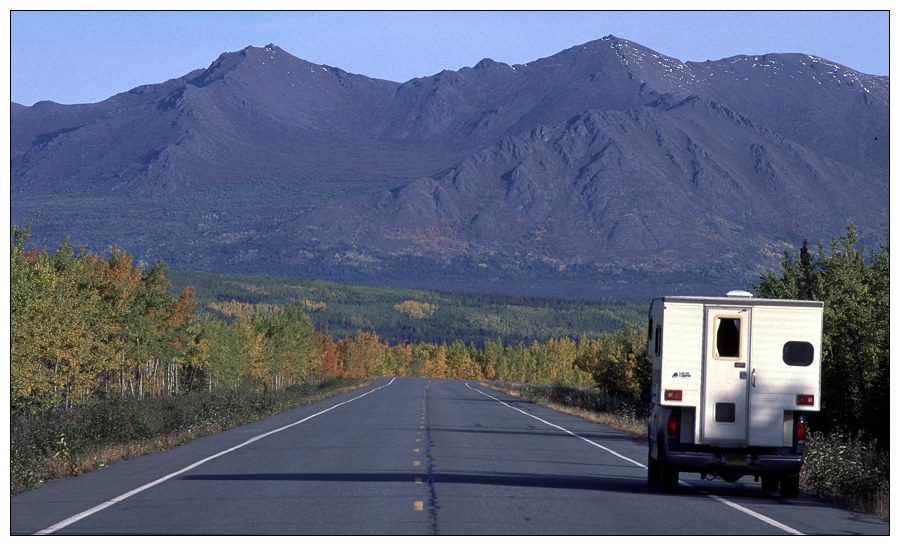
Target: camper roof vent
x,y
739,294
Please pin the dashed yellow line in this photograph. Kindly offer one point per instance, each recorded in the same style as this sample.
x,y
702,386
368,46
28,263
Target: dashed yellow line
x,y
418,505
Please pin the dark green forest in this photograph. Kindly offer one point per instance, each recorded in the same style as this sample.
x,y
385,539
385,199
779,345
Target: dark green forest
x,y
404,315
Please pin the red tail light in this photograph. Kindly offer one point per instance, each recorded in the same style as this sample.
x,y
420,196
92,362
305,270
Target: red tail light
x,y
801,429
806,400
673,395
672,426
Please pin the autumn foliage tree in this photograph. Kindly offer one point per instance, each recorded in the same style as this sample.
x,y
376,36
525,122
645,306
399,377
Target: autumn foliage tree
x,y
618,362
82,325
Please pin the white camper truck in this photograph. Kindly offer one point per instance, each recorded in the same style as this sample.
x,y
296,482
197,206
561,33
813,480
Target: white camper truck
x,y
733,378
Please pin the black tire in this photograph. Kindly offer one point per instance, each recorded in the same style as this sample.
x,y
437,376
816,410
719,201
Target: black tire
x,y
790,486
652,470
668,474
769,483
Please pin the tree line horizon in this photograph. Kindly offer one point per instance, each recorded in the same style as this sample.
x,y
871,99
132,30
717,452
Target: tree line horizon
x,y
86,328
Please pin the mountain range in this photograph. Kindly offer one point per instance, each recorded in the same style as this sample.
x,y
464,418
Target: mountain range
x,y
607,169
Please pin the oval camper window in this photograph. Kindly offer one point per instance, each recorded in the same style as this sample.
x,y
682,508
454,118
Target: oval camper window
x,y
798,353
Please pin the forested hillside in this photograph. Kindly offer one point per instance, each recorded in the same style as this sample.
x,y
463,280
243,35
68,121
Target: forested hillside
x,y
405,315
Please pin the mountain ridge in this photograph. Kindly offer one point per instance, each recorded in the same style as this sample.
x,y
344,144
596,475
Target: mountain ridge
x,y
604,155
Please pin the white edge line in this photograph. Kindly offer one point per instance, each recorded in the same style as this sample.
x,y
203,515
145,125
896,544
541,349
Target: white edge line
x,y
80,516
756,515
726,502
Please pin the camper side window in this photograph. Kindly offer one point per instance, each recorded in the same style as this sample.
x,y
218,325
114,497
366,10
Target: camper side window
x,y
798,353
728,337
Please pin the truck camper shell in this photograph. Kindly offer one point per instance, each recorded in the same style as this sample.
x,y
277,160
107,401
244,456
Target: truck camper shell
x,y
733,378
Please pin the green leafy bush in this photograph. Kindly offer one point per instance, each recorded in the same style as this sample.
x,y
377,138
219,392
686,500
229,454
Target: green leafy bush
x,y
841,466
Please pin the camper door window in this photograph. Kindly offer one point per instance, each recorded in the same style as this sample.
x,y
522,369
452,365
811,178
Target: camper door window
x,y
728,338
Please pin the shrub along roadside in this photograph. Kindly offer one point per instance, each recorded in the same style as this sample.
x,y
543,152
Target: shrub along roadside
x,y
94,436
837,467
854,471
600,406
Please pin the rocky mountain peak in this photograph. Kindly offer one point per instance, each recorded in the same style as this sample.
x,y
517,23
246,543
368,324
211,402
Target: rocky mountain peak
x,y
607,154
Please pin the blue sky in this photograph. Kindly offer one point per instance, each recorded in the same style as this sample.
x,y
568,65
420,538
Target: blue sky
x,y
83,56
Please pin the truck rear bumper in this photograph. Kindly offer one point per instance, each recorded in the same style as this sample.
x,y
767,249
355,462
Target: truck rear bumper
x,y
743,463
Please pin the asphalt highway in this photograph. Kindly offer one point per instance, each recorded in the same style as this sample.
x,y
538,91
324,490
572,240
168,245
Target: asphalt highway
x,y
414,457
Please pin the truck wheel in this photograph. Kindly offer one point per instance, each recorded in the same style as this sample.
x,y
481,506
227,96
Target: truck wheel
x,y
652,470
790,486
769,483
668,474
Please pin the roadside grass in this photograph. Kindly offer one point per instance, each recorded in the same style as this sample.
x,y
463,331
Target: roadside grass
x,y
110,431
850,470
837,467
617,412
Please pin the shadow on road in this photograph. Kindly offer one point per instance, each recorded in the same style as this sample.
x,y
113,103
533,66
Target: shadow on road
x,y
604,483
535,431
634,485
